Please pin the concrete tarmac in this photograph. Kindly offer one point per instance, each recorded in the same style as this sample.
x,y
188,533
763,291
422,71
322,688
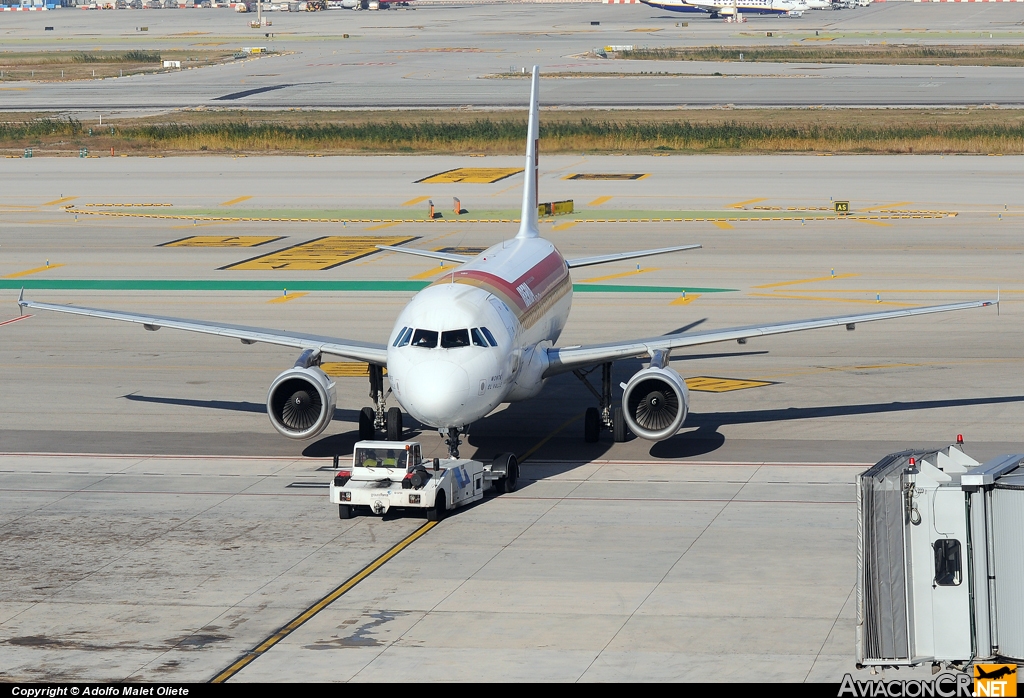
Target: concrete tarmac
x,y
459,56
185,530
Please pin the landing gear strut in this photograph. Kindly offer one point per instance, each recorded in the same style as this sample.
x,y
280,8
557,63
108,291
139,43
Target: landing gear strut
x,y
605,416
379,417
451,439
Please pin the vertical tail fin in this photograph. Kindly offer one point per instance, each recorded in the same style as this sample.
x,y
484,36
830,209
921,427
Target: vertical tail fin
x,y
528,227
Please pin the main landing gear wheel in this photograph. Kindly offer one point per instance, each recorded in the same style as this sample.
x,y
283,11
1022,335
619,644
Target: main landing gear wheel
x,y
366,428
394,424
508,463
592,425
619,429
437,513
344,511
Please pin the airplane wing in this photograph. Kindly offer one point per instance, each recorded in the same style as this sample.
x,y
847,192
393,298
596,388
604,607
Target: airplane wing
x,y
448,257
588,261
569,358
360,351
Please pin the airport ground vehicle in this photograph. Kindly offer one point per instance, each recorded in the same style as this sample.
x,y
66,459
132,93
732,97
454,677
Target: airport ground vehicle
x,y
387,475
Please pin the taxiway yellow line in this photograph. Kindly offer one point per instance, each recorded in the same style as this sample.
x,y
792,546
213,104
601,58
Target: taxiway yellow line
x,y
807,281
201,225
550,436
617,276
320,605
600,200
723,225
417,200
685,300
887,206
565,226
27,272
741,204
878,223
429,273
384,225
831,300
61,200
289,297
236,201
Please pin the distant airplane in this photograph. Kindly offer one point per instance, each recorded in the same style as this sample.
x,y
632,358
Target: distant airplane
x,y
724,8
484,334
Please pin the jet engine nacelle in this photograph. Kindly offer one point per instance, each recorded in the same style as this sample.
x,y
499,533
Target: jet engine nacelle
x,y
301,402
655,403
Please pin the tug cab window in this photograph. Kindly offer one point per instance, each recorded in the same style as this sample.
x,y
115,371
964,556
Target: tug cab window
x,y
426,339
947,562
453,339
478,338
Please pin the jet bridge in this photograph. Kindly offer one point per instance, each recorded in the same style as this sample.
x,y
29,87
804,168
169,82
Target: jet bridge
x,y
940,553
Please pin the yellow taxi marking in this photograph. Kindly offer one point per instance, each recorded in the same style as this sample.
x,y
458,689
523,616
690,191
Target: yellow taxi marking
x,y
288,297
384,225
831,300
320,605
236,201
319,254
741,204
417,200
878,223
886,206
723,225
471,175
565,226
429,273
711,384
652,29
550,436
346,369
685,300
27,272
600,200
843,369
223,241
617,276
61,200
807,281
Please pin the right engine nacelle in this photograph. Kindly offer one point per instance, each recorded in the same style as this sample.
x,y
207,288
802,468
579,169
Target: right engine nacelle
x,y
655,403
301,402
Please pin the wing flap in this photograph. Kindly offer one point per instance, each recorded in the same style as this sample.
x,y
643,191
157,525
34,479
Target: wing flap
x,y
570,358
360,351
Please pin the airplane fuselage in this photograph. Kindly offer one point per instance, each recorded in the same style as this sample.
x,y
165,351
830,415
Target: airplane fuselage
x,y
475,338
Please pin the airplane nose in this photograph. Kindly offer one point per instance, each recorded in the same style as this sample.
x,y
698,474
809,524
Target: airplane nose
x,y
435,392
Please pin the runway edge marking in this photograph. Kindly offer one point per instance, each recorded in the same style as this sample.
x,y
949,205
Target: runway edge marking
x,y
320,605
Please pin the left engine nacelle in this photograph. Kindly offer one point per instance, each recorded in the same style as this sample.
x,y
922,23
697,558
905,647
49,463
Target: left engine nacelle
x,y
301,402
655,403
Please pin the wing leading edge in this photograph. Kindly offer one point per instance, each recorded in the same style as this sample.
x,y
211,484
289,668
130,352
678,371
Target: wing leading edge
x,y
565,359
360,351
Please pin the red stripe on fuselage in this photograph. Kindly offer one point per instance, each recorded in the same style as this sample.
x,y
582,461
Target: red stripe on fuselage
x,y
541,278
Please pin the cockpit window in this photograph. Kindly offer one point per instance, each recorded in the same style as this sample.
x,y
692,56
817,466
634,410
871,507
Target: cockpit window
x,y
402,336
478,337
424,338
454,338
490,337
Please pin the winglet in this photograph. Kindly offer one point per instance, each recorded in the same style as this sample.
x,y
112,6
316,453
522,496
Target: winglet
x,y
997,301
21,302
528,227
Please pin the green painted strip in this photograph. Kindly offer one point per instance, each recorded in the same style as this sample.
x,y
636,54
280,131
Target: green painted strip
x,y
293,285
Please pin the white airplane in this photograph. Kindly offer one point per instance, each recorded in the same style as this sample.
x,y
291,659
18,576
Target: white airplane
x,y
484,334
726,8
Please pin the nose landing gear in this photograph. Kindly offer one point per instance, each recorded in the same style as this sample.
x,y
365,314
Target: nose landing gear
x,y
379,417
